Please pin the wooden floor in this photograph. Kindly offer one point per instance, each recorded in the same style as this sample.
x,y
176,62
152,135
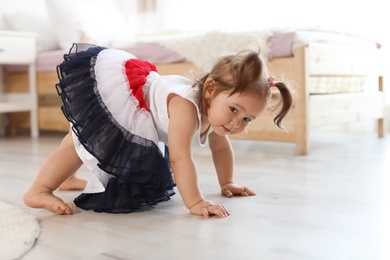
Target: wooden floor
x,y
332,204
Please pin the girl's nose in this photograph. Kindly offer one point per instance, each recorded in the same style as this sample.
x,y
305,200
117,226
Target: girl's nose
x,y
235,123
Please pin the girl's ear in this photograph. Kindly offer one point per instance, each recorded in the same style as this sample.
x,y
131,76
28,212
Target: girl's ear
x,y
208,88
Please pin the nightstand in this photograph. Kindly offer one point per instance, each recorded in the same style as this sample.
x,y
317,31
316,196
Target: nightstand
x,y
19,48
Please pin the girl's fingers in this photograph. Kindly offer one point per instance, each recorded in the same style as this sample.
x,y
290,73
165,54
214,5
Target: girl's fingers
x,y
218,210
205,213
250,191
228,193
246,191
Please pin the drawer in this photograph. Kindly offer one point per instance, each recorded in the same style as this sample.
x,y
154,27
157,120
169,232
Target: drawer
x,y
52,118
16,82
17,48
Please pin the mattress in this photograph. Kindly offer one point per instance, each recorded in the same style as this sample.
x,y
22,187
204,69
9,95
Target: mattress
x,y
155,53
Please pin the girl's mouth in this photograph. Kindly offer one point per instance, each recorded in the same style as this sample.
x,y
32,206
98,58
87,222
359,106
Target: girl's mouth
x,y
227,130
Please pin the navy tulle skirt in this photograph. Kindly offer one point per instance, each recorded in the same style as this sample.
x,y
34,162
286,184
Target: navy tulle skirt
x,y
102,93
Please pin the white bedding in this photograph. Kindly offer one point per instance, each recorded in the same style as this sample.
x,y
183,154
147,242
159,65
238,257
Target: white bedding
x,y
203,48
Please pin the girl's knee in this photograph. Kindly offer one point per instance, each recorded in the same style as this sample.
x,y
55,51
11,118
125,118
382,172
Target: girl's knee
x,y
67,140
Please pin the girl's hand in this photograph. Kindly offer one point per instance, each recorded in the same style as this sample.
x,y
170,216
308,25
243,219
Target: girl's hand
x,y
206,208
231,189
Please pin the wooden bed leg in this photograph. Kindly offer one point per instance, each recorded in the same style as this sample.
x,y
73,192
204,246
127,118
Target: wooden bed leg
x,y
302,115
302,127
381,128
381,121
302,146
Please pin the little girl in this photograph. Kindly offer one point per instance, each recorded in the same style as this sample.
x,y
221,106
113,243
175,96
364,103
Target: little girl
x,y
120,110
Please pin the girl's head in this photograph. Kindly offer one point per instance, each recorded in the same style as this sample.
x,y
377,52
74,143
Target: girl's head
x,y
240,80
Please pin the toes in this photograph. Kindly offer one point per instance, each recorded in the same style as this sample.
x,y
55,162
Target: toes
x,y
61,208
69,209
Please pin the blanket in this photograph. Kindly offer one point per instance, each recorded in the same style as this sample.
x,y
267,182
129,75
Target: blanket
x,y
203,48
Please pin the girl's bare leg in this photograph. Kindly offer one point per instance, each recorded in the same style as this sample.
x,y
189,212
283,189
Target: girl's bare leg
x,y
59,166
73,183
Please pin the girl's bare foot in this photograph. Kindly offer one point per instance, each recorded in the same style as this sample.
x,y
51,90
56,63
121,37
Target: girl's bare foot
x,y
47,200
73,183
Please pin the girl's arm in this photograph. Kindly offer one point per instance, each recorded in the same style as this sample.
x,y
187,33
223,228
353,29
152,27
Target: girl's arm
x,y
182,127
223,158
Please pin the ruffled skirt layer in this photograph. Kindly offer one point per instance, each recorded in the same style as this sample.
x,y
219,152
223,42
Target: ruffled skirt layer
x,y
103,94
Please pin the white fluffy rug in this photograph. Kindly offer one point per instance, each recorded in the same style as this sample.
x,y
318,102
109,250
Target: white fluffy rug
x,y
18,231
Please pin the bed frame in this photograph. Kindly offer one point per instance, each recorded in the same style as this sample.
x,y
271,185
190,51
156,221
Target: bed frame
x,y
327,109
309,110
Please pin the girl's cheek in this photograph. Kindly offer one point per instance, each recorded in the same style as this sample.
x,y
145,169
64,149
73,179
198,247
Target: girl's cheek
x,y
240,130
243,128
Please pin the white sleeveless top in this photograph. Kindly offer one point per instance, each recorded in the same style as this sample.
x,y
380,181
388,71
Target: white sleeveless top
x,y
157,100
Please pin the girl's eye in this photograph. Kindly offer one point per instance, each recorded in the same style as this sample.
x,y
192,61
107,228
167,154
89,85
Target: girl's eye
x,y
234,110
248,120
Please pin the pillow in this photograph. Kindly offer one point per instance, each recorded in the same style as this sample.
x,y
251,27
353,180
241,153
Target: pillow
x,y
99,22
29,16
38,22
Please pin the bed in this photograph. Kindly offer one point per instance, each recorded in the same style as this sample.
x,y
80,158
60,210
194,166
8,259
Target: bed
x,y
338,78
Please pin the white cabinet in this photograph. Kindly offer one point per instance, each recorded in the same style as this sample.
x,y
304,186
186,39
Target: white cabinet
x,y
19,48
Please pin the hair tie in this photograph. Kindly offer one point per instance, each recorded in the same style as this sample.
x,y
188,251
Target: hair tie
x,y
271,81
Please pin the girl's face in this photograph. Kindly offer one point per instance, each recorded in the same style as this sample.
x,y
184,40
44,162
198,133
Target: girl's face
x,y
231,114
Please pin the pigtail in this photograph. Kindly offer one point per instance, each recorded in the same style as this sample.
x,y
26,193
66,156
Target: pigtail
x,y
285,101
